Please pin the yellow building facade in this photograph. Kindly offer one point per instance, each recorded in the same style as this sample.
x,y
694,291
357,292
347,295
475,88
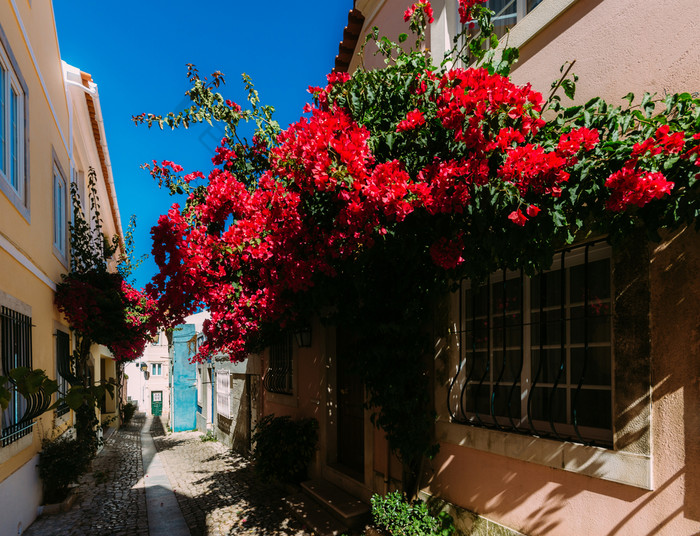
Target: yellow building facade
x,y
51,133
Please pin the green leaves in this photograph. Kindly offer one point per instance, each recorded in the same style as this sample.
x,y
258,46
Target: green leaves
x,y
25,382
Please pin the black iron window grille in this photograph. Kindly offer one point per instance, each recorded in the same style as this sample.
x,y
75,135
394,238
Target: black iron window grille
x,y
16,348
63,372
536,352
279,375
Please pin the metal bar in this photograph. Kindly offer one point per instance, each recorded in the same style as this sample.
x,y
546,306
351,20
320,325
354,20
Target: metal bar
x,y
473,364
543,332
503,360
522,352
562,336
487,371
453,417
574,408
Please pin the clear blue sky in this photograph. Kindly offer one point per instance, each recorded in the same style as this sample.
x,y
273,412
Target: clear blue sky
x,y
136,53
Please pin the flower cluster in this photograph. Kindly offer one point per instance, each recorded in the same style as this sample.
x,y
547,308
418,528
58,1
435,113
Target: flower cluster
x,y
425,7
101,306
464,156
465,10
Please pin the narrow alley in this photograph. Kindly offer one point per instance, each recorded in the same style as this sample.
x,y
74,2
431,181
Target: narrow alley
x,y
188,486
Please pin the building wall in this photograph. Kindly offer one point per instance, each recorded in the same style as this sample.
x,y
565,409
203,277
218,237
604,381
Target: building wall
x,y
140,385
619,46
387,15
29,269
30,266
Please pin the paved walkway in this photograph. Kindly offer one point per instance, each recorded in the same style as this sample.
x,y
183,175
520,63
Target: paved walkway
x,y
189,487
218,491
112,498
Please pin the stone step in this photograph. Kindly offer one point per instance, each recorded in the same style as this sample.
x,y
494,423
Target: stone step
x,y
350,510
312,515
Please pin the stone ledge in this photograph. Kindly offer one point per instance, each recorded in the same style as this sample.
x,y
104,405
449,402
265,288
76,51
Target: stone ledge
x,y
615,466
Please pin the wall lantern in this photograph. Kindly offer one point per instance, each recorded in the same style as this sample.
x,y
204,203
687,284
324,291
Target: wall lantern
x,y
303,337
144,367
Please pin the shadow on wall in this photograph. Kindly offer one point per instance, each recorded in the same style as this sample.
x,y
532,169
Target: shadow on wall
x,y
678,350
507,491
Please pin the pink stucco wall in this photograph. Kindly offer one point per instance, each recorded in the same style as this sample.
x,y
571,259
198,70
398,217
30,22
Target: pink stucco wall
x,y
389,20
619,46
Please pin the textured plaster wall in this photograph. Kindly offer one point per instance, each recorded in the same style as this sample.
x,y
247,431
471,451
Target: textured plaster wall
x,y
387,15
619,46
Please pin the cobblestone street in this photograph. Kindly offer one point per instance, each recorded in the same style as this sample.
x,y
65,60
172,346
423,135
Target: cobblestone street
x,y
112,498
217,491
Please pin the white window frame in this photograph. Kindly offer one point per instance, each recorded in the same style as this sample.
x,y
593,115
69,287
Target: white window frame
x,y
14,180
60,212
223,393
156,367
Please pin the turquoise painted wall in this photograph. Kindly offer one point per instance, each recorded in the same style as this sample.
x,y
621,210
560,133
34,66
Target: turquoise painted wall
x,y
184,391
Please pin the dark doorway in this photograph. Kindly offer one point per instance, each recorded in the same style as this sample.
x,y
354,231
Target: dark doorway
x,y
351,437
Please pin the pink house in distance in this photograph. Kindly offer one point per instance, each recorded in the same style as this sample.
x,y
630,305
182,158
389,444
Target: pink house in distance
x,y
529,443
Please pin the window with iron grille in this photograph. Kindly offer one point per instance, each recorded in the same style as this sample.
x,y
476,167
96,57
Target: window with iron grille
x,y
279,376
536,352
62,357
16,348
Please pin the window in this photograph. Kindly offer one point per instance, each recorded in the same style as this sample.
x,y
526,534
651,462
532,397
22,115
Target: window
x,y
509,12
278,378
156,369
16,351
223,394
536,353
60,216
62,363
12,129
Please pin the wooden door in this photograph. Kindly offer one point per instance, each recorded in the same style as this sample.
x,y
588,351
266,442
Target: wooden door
x,y
157,403
351,437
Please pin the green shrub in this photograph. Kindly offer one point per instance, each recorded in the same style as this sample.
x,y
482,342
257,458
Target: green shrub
x,y
62,462
398,517
284,448
128,412
209,436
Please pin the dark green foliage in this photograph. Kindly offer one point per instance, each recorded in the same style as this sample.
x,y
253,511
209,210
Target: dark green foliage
x,y
128,412
398,517
284,447
62,462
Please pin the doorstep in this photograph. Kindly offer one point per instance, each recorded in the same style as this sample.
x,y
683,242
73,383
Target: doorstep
x,y
348,509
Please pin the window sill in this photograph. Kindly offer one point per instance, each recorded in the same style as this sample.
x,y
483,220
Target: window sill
x,y
16,447
15,199
621,467
60,256
282,399
536,21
